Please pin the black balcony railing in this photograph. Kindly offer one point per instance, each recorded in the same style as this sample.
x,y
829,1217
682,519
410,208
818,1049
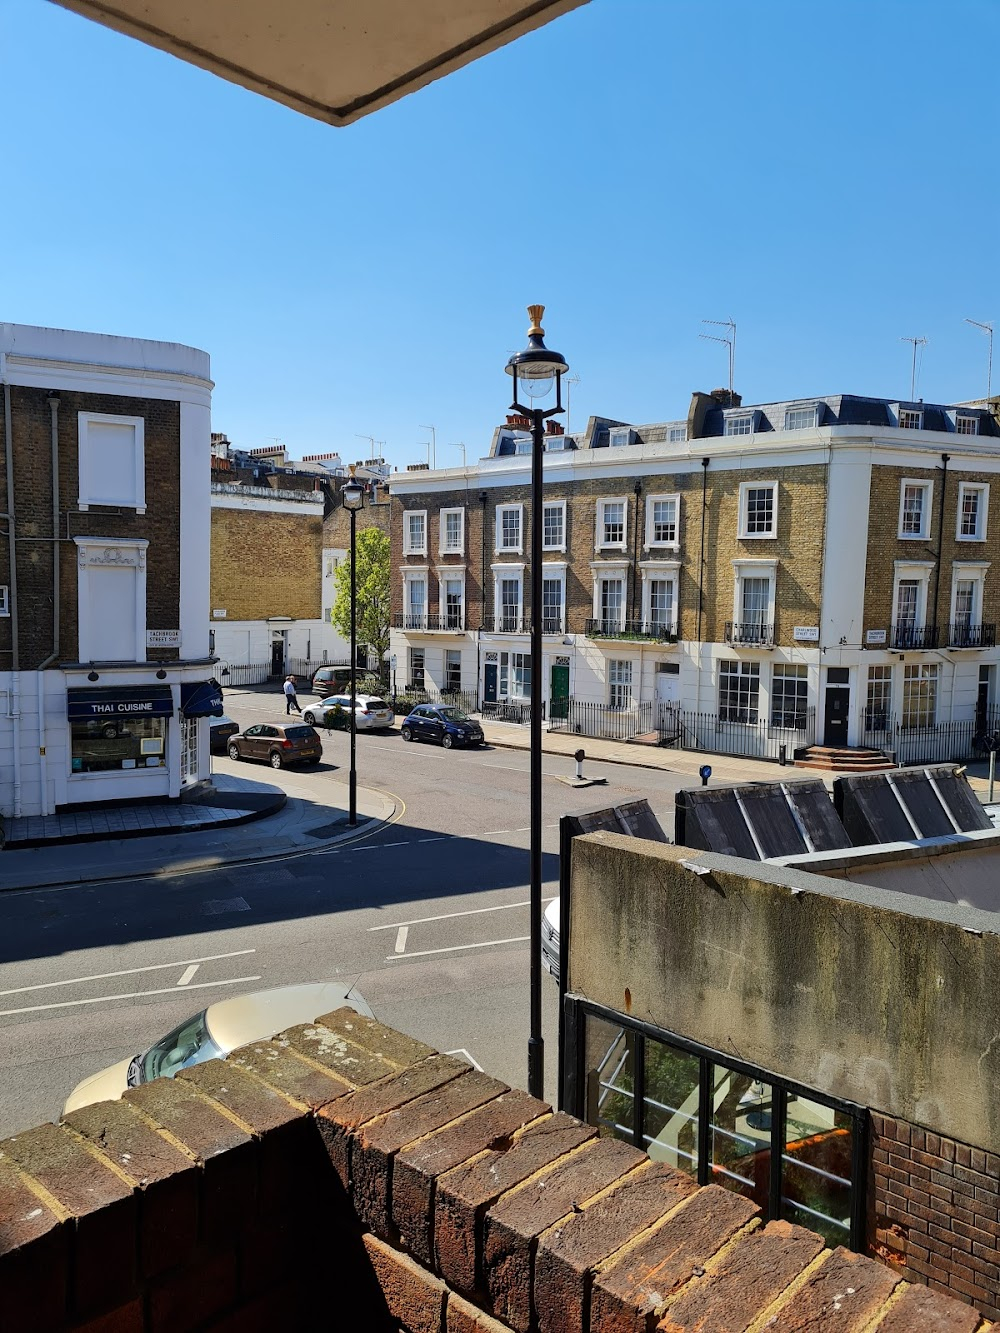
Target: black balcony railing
x,y
504,623
749,633
972,636
631,629
429,620
914,636
552,624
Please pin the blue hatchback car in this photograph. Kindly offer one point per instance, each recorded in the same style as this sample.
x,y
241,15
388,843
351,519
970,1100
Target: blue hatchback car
x,y
441,722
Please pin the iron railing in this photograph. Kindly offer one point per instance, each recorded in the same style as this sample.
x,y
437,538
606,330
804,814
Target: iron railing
x,y
509,710
631,629
602,721
749,634
914,636
250,673
748,735
407,699
429,620
511,624
306,666
972,636
933,743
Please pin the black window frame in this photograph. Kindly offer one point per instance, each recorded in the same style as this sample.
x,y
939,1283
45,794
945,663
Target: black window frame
x,y
577,1009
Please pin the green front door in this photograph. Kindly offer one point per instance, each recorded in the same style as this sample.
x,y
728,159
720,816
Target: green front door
x,y
559,691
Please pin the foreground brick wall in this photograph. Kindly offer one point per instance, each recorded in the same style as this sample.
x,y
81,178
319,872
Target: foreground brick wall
x,y
343,1176
937,1211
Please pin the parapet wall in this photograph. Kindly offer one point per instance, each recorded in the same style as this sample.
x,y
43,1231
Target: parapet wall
x,y
344,1176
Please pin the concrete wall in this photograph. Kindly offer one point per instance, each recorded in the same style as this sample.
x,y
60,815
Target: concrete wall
x,y
854,991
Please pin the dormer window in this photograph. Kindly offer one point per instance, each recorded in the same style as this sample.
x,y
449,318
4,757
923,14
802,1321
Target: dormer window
x,y
802,418
522,444
739,423
620,435
677,434
911,418
965,425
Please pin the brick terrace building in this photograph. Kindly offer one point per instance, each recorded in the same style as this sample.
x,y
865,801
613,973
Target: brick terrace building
x,y
104,667
809,570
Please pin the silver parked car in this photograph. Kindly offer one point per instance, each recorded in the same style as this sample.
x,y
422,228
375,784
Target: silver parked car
x,y
371,712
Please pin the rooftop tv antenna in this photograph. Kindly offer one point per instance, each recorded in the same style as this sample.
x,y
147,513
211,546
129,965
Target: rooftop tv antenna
x,y
987,328
460,445
917,342
431,446
730,342
568,382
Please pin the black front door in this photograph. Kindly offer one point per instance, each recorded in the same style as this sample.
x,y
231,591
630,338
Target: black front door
x,y
277,657
835,718
490,683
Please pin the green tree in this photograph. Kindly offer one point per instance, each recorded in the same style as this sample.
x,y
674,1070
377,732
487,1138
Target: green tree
x,y
372,592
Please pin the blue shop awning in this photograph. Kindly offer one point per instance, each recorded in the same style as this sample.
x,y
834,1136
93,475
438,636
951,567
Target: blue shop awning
x,y
202,699
123,701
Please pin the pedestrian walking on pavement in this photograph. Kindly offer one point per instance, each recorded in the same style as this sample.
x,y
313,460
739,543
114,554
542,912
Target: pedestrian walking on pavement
x,y
291,702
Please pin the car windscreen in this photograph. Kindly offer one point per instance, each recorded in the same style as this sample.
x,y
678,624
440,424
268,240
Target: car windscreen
x,y
299,733
223,721
188,1044
455,715
375,705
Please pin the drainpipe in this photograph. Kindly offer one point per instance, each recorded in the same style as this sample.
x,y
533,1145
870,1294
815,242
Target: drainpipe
x,y
940,549
54,409
701,580
483,497
15,679
635,556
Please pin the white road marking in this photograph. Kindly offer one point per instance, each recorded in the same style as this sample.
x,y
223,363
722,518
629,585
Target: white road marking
x,y
495,833
447,916
465,1054
454,948
135,995
401,935
392,844
188,973
128,971
442,838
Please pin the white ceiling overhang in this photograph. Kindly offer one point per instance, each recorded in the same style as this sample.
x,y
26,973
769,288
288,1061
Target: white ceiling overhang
x,y
335,60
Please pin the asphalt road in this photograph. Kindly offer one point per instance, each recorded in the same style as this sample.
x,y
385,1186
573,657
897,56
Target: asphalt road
x,y
428,917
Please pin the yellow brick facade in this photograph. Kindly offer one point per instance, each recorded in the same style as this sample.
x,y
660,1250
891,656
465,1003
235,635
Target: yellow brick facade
x,y
266,564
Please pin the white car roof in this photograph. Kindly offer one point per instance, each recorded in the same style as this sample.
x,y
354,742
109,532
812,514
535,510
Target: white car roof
x,y
255,1017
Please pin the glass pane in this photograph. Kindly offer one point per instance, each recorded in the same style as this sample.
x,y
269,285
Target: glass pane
x,y
670,1107
740,1134
610,1079
816,1169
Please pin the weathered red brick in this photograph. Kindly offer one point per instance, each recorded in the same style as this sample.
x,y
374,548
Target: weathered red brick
x,y
34,1257
921,1309
570,1251
416,1170
167,1180
414,1297
464,1194
514,1223
336,1121
301,1080
375,1037
841,1296
375,1144
744,1282
463,1317
321,1045
103,1207
189,1296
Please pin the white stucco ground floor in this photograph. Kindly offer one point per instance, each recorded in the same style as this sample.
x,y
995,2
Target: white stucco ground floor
x,y
273,647
103,733
796,696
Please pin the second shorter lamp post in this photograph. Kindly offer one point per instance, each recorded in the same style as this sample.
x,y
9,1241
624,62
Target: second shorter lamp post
x,y
353,497
535,371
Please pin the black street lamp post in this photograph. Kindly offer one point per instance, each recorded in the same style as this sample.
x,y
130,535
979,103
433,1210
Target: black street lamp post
x,y
535,371
353,496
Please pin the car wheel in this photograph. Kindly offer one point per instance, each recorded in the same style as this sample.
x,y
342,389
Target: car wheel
x,y
234,752
275,759
447,741
406,734
110,731
309,717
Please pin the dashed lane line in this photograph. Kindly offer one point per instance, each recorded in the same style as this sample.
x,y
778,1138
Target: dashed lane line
x,y
128,971
134,995
454,948
448,916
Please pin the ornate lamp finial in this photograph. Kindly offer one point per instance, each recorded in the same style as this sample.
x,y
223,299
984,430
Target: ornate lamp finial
x,y
535,313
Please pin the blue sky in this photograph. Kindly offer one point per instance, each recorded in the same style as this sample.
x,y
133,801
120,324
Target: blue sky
x,y
823,174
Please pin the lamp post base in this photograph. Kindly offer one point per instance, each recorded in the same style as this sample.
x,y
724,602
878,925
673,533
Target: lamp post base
x,y
536,1062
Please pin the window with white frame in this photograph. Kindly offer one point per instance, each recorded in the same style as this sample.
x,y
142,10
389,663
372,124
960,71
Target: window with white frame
x,y
554,526
508,528
620,435
4,600
915,509
515,676
753,601
619,684
910,418
612,520
677,434
416,665
964,603
522,444
662,612
416,601
789,696
739,423
112,469
973,502
739,691
878,704
611,603
452,531
967,603
662,514
966,425
507,600
920,693
452,670
758,509
553,601
909,602
415,532
801,418
453,601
